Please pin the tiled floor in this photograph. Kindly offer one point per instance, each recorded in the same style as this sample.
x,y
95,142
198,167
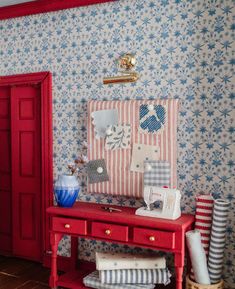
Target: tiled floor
x,y
22,274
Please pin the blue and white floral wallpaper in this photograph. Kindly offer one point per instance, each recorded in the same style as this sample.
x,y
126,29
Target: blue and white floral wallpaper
x,y
184,50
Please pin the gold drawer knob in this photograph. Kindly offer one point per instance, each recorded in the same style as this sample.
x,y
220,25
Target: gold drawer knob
x,y
67,226
151,238
107,232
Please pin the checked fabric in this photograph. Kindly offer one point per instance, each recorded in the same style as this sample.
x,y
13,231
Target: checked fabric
x,y
157,173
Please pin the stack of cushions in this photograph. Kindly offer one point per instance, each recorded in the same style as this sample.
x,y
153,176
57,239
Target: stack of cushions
x,y
125,271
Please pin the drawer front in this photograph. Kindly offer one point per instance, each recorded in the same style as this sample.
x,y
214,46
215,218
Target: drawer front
x,y
71,226
154,238
109,231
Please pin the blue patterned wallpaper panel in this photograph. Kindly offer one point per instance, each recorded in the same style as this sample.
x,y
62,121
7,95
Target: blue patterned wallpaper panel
x,y
184,50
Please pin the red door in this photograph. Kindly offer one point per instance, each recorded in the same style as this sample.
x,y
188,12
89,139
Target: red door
x,y
5,171
26,171
26,164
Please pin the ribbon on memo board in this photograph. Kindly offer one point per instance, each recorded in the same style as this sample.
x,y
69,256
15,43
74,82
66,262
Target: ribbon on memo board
x,y
144,130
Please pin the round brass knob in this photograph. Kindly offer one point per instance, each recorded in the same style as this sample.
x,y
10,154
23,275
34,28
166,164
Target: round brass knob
x,y
107,232
151,238
67,226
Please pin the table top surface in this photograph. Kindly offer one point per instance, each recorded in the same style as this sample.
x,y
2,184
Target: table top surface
x,y
95,212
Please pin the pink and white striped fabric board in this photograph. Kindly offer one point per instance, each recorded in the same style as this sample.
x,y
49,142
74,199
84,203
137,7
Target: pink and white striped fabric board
x,y
122,181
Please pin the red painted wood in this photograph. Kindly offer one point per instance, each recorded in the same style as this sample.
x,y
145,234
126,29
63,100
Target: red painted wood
x,y
127,216
161,238
170,234
5,172
46,155
44,6
26,171
116,232
64,264
43,82
73,279
179,277
54,240
69,226
27,78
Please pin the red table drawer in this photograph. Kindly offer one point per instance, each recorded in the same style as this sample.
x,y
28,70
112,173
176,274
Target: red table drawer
x,y
71,226
154,238
109,231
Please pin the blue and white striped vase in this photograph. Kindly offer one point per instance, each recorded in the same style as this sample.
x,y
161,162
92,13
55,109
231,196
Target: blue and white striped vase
x,y
66,190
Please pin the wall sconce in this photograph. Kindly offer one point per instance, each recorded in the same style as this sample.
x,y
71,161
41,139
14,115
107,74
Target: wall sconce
x,y
126,62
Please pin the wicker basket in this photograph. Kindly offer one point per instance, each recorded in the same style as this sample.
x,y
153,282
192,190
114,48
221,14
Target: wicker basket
x,y
193,285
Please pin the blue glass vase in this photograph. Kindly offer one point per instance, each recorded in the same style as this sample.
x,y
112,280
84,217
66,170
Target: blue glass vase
x,y
66,190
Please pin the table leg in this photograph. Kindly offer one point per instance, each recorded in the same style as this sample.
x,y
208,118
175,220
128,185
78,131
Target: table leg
x,y
189,265
54,240
179,268
74,252
179,277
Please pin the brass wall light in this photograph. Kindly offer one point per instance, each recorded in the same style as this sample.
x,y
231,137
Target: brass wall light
x,y
126,62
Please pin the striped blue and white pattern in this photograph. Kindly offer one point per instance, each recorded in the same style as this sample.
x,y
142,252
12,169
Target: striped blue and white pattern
x,y
157,173
135,276
92,280
217,242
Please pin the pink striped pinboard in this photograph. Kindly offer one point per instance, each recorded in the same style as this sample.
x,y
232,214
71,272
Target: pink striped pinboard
x,y
122,181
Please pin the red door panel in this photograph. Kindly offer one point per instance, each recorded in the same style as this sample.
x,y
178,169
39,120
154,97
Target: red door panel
x,y
5,171
26,171
27,205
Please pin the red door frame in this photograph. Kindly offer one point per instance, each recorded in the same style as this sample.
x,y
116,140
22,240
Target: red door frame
x,y
43,6
44,79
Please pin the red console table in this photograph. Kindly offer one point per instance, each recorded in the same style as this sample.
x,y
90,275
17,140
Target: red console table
x,y
91,221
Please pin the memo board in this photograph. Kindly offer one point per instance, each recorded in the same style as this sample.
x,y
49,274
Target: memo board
x,y
161,135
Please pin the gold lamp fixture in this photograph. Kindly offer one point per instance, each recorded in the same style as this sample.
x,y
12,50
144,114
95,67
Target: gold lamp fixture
x,y
126,62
